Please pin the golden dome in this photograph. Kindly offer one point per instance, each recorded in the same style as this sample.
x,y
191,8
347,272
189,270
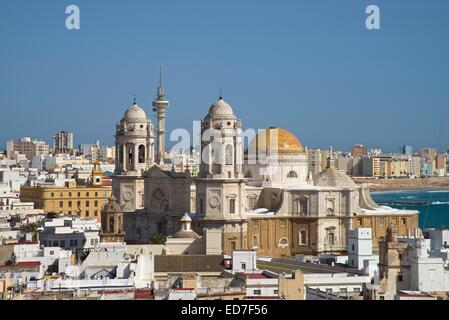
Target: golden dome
x,y
275,140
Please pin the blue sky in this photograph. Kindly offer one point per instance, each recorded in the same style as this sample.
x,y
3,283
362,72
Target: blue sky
x,y
308,66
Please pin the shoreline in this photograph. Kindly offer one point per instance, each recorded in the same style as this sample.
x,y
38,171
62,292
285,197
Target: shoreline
x,y
418,184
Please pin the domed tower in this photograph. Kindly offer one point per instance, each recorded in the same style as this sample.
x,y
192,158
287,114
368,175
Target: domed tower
x,y
112,222
220,186
134,141
222,143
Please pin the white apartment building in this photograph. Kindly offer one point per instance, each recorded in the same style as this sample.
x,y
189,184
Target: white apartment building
x,y
71,233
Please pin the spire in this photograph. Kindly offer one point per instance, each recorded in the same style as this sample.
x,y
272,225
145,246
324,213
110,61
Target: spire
x,y
135,100
221,95
160,89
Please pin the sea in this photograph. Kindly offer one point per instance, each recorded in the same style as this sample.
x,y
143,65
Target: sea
x,y
433,205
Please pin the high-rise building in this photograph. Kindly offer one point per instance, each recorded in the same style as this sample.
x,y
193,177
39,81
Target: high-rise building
x,y
407,149
359,150
62,142
29,148
440,164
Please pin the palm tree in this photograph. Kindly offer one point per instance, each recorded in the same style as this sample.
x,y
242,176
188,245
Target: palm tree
x,y
158,239
31,228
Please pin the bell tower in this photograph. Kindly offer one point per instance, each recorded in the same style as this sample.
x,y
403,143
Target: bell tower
x,y
112,222
97,175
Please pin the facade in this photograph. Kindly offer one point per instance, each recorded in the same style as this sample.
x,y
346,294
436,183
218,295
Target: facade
x,y
81,201
263,199
62,142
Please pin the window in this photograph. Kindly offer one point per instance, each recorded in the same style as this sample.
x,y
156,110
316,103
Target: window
x,y
343,290
87,213
404,221
400,277
256,224
141,154
231,206
381,221
96,203
255,241
70,204
276,291
87,203
292,175
257,292
233,245
61,204
303,237
330,207
52,195
63,243
52,253
283,223
353,247
70,194
87,194
357,290
243,266
331,238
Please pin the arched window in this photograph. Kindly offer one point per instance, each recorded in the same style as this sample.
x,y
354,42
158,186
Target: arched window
x,y
141,154
229,155
130,154
292,174
330,207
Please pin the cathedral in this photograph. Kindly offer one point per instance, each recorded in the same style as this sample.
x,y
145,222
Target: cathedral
x,y
261,197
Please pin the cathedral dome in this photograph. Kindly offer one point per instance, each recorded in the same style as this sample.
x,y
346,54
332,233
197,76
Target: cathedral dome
x,y
135,113
221,108
334,178
276,140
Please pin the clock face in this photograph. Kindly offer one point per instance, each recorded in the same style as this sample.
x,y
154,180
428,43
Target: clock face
x,y
214,202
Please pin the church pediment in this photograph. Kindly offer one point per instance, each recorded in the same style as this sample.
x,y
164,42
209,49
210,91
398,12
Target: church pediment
x,y
156,172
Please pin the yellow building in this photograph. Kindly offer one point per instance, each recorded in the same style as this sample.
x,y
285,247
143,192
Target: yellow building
x,y
71,199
